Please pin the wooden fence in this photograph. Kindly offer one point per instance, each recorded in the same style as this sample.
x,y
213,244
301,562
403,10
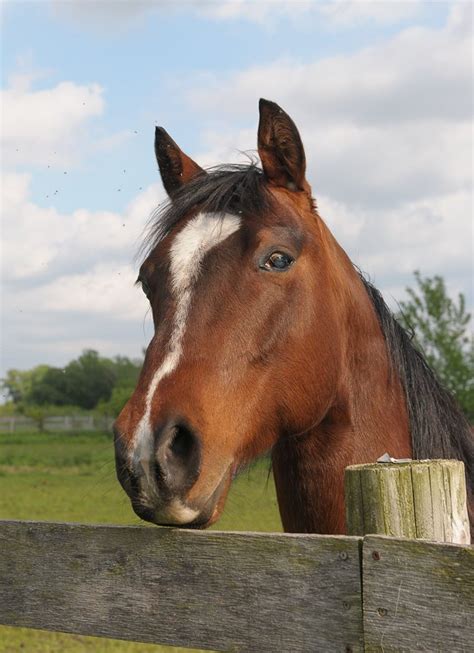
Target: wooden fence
x,y
238,591
18,423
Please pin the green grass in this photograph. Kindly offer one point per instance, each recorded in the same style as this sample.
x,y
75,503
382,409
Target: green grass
x,y
66,477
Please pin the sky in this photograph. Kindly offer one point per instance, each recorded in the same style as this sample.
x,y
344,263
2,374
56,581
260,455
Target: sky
x,y
380,91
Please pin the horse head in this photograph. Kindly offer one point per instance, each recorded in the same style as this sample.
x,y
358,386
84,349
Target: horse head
x,y
244,349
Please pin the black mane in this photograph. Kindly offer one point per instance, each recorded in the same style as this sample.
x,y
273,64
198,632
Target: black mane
x,y
238,189
438,427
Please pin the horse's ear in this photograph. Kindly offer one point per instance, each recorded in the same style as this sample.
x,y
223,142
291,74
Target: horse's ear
x,y
176,168
280,148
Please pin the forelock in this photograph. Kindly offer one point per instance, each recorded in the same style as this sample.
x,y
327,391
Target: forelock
x,y
231,189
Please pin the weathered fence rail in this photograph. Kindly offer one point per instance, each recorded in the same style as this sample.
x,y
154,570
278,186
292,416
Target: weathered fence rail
x,y
225,591
238,591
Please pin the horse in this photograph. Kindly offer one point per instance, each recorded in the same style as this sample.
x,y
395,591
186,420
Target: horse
x,y
267,339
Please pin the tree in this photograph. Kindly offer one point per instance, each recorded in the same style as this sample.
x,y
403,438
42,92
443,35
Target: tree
x,y
126,376
48,389
126,372
83,383
18,383
118,399
88,380
440,327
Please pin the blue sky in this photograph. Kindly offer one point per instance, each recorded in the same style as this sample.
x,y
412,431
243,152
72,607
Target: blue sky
x,y
380,91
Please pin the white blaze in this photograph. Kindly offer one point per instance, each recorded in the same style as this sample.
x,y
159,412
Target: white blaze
x,y
201,234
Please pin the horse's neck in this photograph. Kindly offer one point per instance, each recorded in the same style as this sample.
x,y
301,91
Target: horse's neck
x,y
368,418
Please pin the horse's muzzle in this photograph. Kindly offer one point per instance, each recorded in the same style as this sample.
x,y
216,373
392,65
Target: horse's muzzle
x,y
158,477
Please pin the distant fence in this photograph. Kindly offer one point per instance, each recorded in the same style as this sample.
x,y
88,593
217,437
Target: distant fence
x,y
247,592
17,423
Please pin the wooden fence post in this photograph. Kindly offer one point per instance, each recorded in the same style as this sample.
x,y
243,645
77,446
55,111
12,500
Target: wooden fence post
x,y
416,499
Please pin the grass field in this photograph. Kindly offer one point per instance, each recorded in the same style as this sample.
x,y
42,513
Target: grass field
x,y
71,477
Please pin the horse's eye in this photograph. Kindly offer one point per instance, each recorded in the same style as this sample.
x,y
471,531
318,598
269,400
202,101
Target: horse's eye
x,y
278,261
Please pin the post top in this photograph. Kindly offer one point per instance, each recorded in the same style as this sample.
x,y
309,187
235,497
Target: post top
x,y
435,462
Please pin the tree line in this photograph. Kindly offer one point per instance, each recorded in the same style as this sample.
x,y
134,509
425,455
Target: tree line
x,y
439,325
90,382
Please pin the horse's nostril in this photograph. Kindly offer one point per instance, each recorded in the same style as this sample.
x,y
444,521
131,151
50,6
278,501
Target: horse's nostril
x,y
178,455
183,443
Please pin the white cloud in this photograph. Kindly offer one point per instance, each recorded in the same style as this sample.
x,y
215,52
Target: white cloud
x,y
433,235
105,288
69,278
48,126
41,241
420,73
257,11
344,13
111,15
337,13
123,14
35,239
388,124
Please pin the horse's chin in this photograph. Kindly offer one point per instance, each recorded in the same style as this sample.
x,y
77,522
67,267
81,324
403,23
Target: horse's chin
x,y
178,515
215,504
202,524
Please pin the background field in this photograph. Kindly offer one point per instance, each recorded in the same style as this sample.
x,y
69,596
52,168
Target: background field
x,y
65,477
